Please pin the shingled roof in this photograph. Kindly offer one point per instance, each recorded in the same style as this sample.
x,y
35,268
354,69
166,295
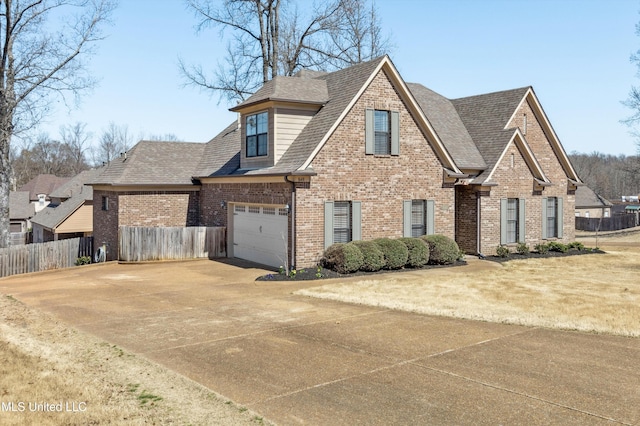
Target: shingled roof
x,y
20,207
42,184
586,197
222,155
154,163
292,89
78,185
485,118
469,132
444,118
53,215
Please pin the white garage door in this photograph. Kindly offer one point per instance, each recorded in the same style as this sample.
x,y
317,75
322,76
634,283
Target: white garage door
x,y
260,234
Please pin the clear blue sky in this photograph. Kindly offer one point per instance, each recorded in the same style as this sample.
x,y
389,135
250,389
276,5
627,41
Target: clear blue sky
x,y
575,54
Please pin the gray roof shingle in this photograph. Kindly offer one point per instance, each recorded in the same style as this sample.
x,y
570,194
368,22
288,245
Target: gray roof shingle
x,y
77,185
53,215
342,86
154,163
586,197
42,184
485,117
20,207
445,120
295,89
222,154
472,130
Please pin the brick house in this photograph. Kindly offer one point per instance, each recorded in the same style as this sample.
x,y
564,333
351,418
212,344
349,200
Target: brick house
x,y
358,154
520,185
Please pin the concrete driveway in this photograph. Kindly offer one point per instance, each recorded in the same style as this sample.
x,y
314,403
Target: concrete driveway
x,y
297,360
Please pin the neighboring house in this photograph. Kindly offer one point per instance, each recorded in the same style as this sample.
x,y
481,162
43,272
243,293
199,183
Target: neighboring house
x,y
20,213
40,187
590,204
70,211
355,154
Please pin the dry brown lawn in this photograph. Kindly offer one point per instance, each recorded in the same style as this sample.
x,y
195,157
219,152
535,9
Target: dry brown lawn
x,y
595,292
46,366
51,374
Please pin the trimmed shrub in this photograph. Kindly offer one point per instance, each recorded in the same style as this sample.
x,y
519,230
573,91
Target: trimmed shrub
x,y
542,248
442,249
418,251
522,248
373,257
395,252
559,247
343,258
503,251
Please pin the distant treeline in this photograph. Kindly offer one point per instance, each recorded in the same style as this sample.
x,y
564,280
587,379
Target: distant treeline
x,y
608,175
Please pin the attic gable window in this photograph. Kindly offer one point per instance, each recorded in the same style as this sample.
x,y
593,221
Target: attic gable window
x,y
382,127
382,134
257,141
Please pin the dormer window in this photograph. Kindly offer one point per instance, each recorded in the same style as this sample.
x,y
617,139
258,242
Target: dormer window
x,y
257,142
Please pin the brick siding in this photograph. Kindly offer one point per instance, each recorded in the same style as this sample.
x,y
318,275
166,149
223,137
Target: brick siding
x,y
380,183
141,208
515,180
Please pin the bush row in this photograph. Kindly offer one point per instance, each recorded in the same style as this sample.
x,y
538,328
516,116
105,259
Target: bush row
x,y
522,248
387,253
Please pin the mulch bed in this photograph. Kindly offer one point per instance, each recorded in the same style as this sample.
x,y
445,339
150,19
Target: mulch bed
x,y
323,273
536,255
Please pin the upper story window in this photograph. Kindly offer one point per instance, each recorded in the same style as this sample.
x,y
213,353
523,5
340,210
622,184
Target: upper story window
x,y
382,132
382,128
257,142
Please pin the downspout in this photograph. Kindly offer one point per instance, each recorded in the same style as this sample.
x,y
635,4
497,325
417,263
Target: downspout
x,y
292,212
478,223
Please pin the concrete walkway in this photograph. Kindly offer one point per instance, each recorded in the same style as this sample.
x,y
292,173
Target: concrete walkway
x,y
297,360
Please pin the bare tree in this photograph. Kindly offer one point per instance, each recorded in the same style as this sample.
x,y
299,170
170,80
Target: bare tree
x,y
114,141
271,38
76,139
608,175
356,35
43,43
44,155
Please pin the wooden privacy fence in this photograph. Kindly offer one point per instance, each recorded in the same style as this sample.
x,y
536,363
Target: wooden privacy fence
x,y
138,244
27,258
613,223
